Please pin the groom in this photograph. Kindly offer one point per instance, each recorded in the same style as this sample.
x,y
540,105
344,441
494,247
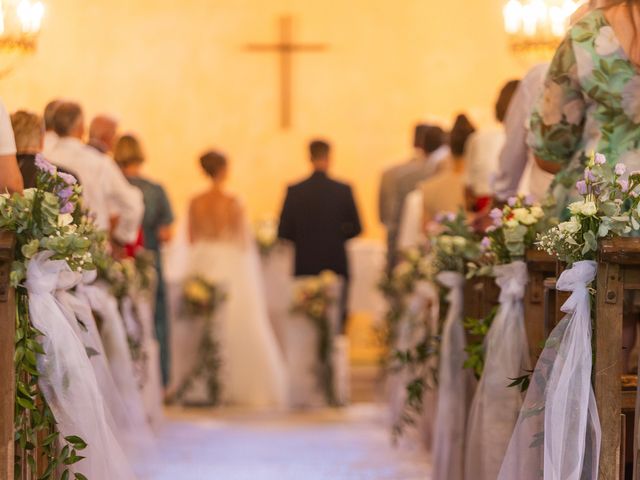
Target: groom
x,y
319,216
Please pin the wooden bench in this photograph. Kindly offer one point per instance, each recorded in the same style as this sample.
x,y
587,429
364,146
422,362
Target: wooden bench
x,y
7,372
541,266
618,270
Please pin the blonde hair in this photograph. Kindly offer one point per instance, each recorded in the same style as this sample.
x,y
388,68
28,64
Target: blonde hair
x,y
28,129
128,151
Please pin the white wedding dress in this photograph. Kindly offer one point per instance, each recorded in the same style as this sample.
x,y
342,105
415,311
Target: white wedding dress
x,y
223,251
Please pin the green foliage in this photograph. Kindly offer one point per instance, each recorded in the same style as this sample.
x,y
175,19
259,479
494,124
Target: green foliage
x,y
522,382
477,329
36,439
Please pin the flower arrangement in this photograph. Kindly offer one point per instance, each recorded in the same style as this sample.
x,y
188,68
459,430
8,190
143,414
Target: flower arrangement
x,y
609,208
266,233
455,245
514,230
313,299
201,299
46,218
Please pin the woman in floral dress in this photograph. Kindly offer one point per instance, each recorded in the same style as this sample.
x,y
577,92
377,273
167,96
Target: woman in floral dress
x,y
591,102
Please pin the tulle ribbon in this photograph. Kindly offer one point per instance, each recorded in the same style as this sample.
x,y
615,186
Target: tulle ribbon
x,y
67,379
454,386
558,432
495,406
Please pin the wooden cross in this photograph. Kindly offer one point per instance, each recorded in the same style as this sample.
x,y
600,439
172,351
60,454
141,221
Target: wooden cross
x,y
286,48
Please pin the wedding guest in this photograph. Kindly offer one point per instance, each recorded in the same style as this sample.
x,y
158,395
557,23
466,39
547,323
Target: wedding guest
x,y
319,216
588,106
102,133
10,177
106,191
482,154
518,172
442,192
398,181
156,231
50,136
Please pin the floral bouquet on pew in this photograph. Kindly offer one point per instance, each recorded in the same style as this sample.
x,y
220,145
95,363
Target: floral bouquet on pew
x,y
266,233
314,298
559,404
47,220
201,300
609,208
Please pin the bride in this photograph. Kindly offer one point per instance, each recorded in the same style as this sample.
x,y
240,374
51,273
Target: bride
x,y
223,250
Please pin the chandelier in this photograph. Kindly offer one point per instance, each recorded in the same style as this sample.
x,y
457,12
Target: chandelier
x,y
536,27
20,22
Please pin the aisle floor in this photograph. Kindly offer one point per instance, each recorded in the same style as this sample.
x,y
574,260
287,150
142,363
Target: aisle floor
x,y
349,444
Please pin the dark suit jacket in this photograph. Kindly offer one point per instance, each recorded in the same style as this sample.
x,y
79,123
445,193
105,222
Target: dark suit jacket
x,y
319,216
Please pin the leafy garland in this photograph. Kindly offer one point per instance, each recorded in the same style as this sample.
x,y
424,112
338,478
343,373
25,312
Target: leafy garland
x,y
46,218
313,299
202,299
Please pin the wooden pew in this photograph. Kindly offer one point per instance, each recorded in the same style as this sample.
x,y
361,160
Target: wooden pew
x,y
480,296
541,266
7,375
618,270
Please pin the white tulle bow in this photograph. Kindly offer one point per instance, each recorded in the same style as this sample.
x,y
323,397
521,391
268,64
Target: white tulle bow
x,y
454,388
67,378
495,407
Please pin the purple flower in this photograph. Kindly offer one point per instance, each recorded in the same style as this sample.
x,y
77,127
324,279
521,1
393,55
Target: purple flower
x,y
65,193
68,179
451,217
588,175
624,184
67,208
581,185
600,159
485,243
439,217
44,165
529,200
512,201
496,214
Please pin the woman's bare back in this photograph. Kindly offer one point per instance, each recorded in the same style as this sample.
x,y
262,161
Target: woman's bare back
x,y
215,215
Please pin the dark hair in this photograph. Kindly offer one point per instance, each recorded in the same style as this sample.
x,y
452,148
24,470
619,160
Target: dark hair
x,y
504,99
49,112
418,134
460,133
213,163
432,139
65,117
319,149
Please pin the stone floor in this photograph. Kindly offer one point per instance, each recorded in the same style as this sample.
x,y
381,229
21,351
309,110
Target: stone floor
x,y
349,444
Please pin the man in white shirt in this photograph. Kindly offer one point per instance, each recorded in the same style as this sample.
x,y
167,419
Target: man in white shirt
x,y
106,191
518,172
10,177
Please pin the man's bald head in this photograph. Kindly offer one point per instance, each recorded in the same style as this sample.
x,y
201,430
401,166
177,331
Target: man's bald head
x,y
102,133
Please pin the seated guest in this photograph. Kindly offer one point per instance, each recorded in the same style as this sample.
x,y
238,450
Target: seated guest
x,y
443,192
482,153
50,136
102,133
106,192
156,230
10,178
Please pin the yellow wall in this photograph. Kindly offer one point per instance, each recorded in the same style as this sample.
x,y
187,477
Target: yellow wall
x,y
175,72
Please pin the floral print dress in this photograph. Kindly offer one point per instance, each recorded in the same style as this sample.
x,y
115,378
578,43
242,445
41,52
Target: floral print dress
x,y
591,102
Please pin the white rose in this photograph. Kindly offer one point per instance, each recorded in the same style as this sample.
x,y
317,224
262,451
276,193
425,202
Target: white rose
x,y
589,209
572,226
529,219
459,242
575,207
29,193
511,223
537,212
65,219
606,43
